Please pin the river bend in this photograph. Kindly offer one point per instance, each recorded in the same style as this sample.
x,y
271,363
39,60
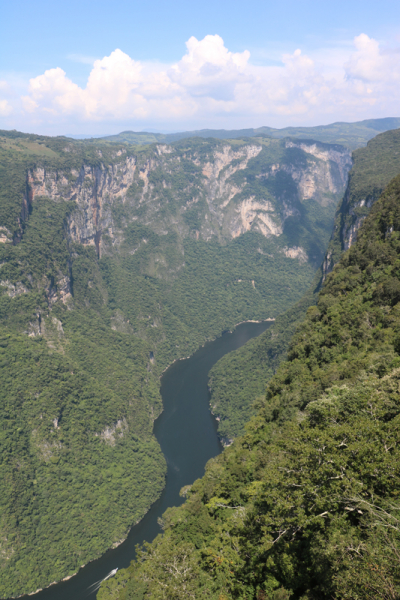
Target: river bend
x,y
187,434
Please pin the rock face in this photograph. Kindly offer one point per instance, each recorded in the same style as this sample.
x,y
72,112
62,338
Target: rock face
x,y
350,217
94,189
328,174
349,230
211,190
374,167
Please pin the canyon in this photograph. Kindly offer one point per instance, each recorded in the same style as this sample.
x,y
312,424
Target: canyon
x,y
116,261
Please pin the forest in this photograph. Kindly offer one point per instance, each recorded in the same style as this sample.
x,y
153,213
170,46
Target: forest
x,y
305,504
117,260
239,378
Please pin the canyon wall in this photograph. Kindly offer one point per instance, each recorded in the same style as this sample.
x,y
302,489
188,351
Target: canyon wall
x,y
161,189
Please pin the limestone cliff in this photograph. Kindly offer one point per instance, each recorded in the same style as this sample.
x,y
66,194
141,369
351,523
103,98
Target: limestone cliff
x,y
374,167
207,192
94,189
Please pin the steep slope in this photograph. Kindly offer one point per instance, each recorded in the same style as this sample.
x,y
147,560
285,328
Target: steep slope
x,y
305,505
232,222
237,382
374,166
239,378
77,399
114,262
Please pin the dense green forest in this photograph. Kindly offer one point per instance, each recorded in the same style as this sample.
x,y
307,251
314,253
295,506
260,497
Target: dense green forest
x,y
239,378
374,166
305,505
77,397
115,261
352,135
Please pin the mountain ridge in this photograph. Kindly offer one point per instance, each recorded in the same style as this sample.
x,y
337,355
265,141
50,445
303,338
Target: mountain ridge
x,y
352,135
116,260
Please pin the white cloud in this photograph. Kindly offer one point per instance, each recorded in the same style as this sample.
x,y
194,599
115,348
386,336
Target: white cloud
x,y
209,69
5,108
54,94
370,64
211,85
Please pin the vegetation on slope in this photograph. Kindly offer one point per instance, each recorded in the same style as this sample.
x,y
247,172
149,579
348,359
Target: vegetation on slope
x,y
79,386
68,439
213,292
76,438
373,168
77,398
238,380
352,135
240,377
180,277
305,505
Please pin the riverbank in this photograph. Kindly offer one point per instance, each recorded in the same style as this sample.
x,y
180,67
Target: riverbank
x,y
268,320
187,434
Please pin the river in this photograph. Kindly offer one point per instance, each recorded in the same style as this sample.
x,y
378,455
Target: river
x,y
187,434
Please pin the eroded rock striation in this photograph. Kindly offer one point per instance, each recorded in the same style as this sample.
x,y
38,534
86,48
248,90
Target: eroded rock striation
x,y
169,185
374,167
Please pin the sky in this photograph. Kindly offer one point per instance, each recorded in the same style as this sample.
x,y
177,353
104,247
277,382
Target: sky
x,y
96,68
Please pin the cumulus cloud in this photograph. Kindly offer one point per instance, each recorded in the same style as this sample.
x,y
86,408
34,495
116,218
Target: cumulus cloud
x,y
370,64
209,69
5,108
211,84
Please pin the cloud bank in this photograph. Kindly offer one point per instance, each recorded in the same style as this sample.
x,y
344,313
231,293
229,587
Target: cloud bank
x,y
212,86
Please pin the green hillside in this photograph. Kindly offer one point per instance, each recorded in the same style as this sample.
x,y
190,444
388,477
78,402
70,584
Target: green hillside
x,y
240,377
305,504
353,135
115,260
373,168
238,380
77,398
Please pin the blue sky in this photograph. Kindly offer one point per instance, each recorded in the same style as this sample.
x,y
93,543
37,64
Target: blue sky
x,y
101,67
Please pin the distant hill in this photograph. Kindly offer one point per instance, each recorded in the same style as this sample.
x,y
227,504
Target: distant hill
x,y
352,135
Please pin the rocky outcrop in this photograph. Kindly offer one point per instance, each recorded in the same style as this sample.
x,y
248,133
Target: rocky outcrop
x,y
109,435
225,163
12,290
94,189
353,221
260,214
374,167
296,252
154,189
349,219
328,172
5,235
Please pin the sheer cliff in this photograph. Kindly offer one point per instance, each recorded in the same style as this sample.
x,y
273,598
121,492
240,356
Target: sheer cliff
x,y
173,188
159,213
238,379
305,504
374,167
114,261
